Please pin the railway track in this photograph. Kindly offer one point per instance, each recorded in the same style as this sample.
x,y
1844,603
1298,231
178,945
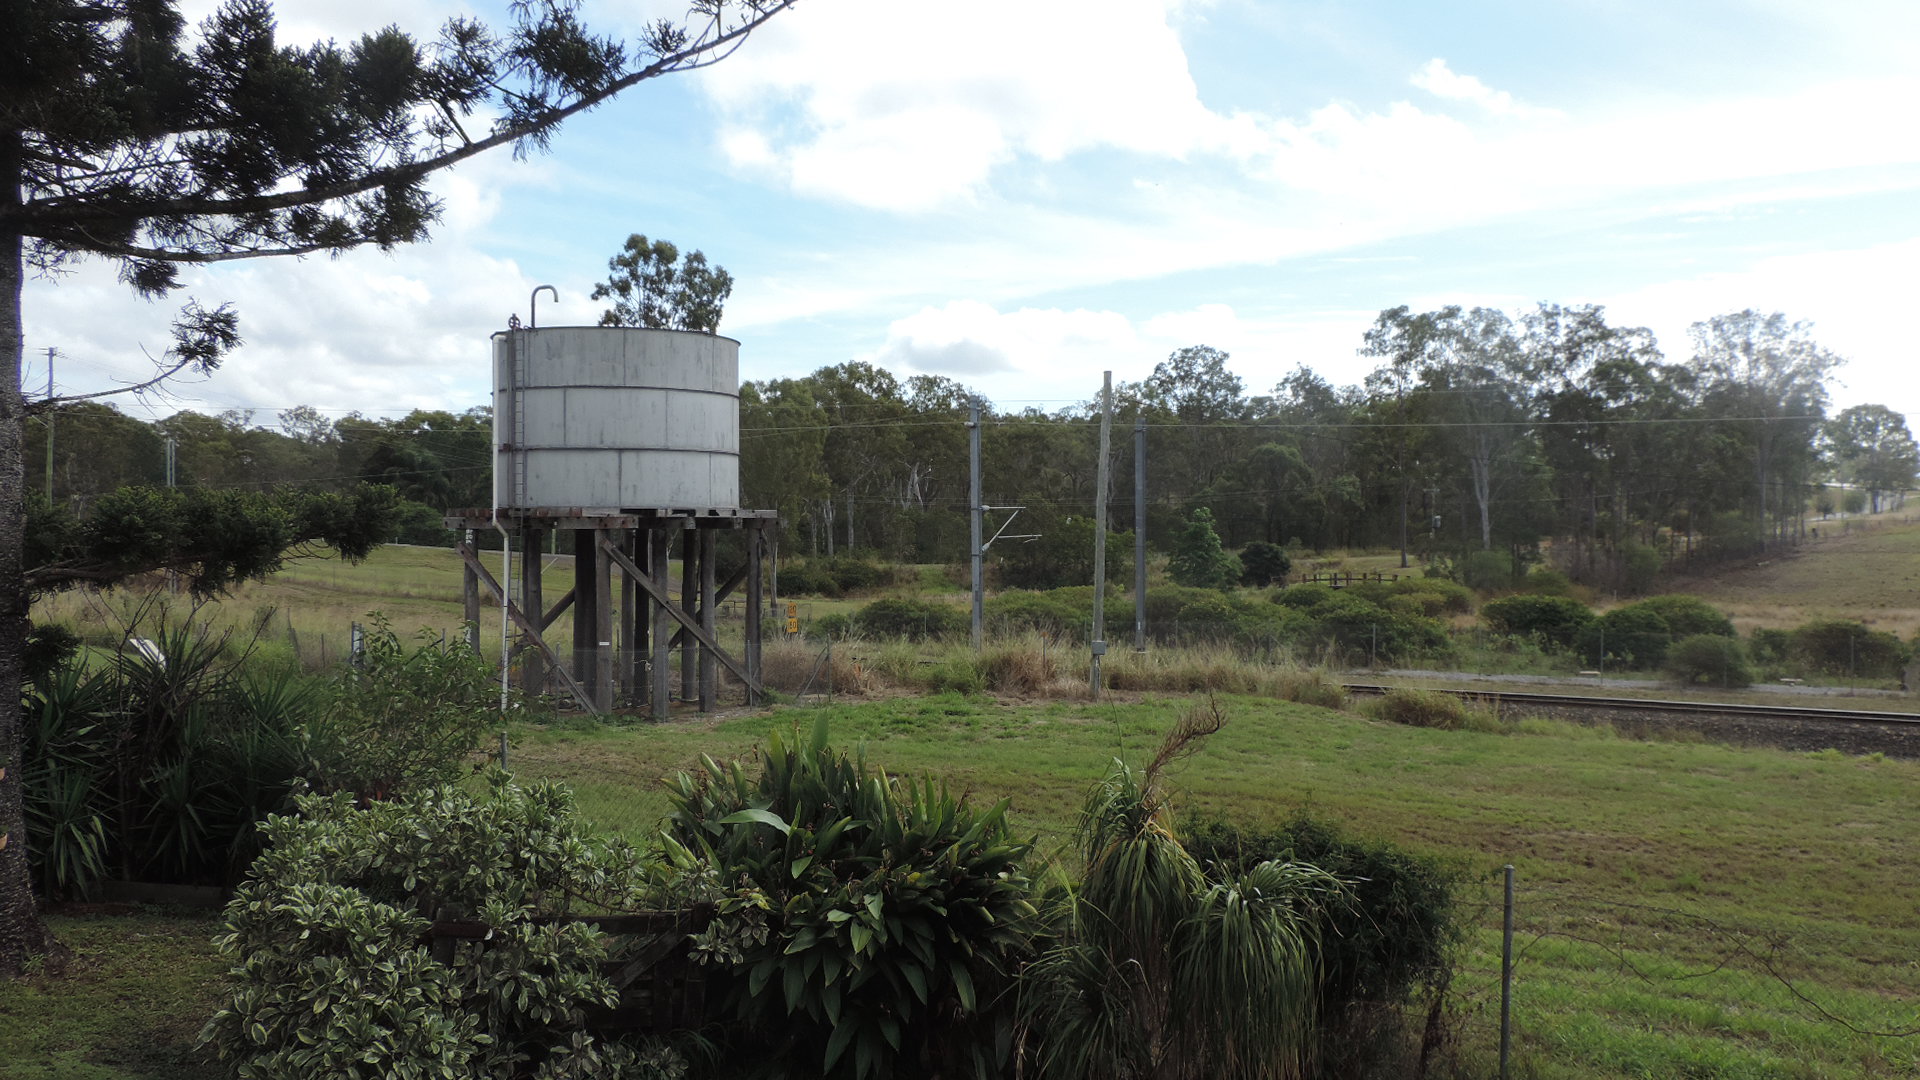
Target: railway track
x,y
1787,726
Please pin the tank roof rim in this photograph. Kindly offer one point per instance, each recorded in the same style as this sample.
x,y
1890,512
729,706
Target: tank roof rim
x,y
628,329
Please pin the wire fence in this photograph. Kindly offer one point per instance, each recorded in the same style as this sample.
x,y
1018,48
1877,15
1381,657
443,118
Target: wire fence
x,y
1650,982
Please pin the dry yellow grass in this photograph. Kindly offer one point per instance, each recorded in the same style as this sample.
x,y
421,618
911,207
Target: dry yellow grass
x,y
1869,572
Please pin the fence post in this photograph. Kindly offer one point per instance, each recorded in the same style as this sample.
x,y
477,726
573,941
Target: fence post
x,y
1506,978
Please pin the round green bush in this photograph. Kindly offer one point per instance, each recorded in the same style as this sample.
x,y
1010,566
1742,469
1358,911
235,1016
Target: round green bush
x,y
1632,635
1551,620
1709,659
1848,648
1686,616
914,620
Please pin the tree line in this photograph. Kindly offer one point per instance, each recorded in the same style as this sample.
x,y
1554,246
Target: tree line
x,y
1475,431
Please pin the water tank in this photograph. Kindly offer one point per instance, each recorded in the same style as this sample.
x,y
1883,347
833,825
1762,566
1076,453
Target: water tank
x,y
616,418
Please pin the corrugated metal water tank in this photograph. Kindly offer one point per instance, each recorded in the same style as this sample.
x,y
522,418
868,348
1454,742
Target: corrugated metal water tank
x,y
616,418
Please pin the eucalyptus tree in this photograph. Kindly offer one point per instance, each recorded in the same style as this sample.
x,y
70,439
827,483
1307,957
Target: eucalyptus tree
x,y
783,452
1601,401
1399,409
652,285
1764,379
1872,448
126,138
1196,414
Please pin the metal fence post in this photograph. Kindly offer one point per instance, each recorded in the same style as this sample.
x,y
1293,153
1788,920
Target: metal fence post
x,y
1506,978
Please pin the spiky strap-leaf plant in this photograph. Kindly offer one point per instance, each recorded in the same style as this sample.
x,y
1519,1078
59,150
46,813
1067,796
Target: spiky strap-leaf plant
x,y
1163,974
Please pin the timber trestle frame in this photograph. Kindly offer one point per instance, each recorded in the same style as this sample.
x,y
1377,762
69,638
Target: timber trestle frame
x,y
622,654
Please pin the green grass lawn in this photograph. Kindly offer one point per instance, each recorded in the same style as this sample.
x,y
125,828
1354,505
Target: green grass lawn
x,y
1684,909
1675,899
127,1005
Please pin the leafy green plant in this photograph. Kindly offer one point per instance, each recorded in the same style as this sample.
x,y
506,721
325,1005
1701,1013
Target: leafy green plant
x,y
1262,564
334,971
877,921
1198,560
407,716
1555,621
1711,659
1687,615
915,620
1848,647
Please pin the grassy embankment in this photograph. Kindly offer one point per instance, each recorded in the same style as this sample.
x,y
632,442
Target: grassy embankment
x,y
1659,882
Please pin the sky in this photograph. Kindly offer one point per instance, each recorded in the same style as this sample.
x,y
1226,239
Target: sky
x,y
1021,195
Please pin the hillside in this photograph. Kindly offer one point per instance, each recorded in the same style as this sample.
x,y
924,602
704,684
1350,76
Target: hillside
x,y
1868,570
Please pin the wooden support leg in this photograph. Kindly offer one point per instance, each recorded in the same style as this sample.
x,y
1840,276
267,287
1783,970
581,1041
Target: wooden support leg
x,y
707,681
624,684
586,613
756,550
689,603
602,627
658,541
533,675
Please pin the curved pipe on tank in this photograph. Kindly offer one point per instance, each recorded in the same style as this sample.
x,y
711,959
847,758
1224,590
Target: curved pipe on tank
x,y
533,304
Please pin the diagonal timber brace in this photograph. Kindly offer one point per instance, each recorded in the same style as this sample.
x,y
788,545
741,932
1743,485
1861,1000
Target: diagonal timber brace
x,y
469,556
667,605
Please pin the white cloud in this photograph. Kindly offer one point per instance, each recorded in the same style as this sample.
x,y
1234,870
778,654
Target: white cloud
x,y
1859,301
843,110
969,340
1055,356
1441,81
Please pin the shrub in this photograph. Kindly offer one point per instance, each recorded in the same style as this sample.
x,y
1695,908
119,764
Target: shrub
x,y
1395,933
833,626
407,716
878,921
1769,646
851,574
1305,596
333,975
1049,613
1848,648
1686,616
1551,620
1424,709
1262,564
160,769
1198,561
1158,962
1485,571
1631,635
1061,555
1546,581
1361,628
805,579
1435,595
1639,566
914,620
1710,658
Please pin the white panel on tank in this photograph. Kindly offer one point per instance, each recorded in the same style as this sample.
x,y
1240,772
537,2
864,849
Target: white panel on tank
x,y
614,417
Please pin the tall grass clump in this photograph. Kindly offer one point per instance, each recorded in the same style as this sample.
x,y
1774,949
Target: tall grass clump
x,y
1434,709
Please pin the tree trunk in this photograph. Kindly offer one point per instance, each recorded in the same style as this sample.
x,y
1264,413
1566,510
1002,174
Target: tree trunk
x,y
22,934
